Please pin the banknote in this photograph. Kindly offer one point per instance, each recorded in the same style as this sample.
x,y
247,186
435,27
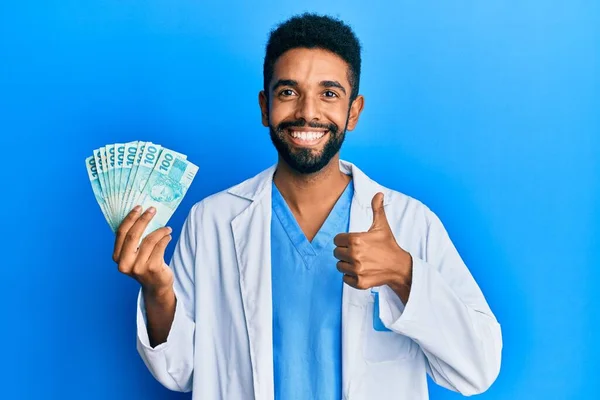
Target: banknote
x,y
134,167
165,188
90,163
124,163
100,162
110,172
128,159
99,170
127,174
147,162
119,153
158,164
106,177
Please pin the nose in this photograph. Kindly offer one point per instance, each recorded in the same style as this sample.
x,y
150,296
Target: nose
x,y
307,109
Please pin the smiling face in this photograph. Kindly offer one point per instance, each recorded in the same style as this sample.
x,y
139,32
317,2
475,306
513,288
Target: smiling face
x,y
308,108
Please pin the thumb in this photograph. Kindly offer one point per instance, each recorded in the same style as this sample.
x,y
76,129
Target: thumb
x,y
379,218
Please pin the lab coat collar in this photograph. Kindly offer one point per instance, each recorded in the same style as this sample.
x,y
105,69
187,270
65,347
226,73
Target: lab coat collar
x,y
364,187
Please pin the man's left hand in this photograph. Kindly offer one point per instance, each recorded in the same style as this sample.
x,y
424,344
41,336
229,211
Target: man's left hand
x,y
374,258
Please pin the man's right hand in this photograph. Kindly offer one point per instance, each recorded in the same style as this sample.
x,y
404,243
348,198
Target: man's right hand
x,y
145,264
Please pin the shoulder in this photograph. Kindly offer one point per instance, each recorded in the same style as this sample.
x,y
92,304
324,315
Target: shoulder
x,y
219,205
409,214
406,206
398,205
227,203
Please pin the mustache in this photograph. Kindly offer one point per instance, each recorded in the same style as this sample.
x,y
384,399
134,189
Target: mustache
x,y
299,123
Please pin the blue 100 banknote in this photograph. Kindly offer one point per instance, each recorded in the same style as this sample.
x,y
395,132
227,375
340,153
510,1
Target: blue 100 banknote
x,y
165,187
124,175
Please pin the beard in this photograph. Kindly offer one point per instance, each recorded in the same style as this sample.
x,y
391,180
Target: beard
x,y
304,160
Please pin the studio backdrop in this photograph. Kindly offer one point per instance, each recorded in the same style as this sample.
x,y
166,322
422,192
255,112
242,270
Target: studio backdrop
x,y
486,111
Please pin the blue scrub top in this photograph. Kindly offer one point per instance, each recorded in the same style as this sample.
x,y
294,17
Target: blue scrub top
x,y
307,303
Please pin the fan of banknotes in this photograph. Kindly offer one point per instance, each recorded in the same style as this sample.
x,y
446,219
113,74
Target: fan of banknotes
x,y
124,175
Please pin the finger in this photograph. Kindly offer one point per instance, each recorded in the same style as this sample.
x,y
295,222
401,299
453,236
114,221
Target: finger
x,y
345,268
146,248
123,229
132,238
351,280
357,282
157,257
343,254
342,239
379,217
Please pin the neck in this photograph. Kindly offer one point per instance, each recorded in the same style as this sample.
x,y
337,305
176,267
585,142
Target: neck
x,y
305,191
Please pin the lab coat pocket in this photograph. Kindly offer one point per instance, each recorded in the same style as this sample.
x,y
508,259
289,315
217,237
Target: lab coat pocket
x,y
382,345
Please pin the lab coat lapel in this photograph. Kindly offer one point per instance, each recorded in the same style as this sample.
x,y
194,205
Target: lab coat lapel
x,y
251,232
354,301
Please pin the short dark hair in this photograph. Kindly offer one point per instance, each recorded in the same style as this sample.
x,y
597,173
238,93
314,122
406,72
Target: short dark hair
x,y
312,31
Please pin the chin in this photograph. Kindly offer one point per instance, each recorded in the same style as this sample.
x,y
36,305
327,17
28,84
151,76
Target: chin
x,y
306,166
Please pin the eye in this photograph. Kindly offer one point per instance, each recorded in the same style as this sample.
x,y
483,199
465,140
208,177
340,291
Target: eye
x,y
286,92
330,94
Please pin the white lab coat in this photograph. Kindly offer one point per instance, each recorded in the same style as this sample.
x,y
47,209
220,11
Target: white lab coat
x,y
220,343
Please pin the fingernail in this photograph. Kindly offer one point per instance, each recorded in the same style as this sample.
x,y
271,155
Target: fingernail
x,y
137,209
152,210
169,229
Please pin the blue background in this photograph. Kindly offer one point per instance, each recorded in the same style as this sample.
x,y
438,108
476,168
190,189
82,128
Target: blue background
x,y
487,111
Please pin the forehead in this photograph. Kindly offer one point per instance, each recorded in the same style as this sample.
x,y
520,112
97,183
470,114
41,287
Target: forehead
x,y
311,66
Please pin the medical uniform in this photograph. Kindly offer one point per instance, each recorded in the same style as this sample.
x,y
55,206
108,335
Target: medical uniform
x,y
223,345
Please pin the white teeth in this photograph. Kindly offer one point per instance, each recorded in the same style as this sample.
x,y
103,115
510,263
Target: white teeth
x,y
308,136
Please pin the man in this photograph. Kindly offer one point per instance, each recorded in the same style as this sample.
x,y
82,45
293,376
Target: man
x,y
309,280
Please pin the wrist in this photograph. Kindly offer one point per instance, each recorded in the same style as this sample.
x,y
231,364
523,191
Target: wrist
x,y
402,276
158,295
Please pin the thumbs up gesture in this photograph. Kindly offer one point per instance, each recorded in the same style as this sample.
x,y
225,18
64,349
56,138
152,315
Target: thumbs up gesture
x,y
374,258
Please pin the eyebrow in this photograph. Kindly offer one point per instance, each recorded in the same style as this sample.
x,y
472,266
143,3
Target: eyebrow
x,y
293,83
333,84
285,82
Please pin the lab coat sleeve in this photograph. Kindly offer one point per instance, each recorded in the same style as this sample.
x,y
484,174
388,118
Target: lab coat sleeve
x,y
171,362
447,316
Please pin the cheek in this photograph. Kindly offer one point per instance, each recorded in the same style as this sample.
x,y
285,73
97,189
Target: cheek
x,y
338,115
279,112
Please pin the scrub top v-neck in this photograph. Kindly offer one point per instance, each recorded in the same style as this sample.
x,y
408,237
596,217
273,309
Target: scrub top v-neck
x,y
307,303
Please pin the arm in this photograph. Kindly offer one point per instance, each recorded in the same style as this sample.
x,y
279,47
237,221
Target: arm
x,y
165,321
448,316
160,312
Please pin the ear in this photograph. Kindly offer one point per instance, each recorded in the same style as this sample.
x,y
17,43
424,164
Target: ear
x,y
264,107
355,109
